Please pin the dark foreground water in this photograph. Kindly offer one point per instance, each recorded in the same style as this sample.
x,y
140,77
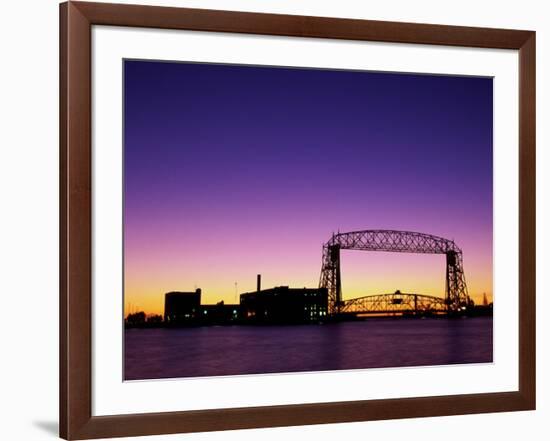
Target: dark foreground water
x,y
376,343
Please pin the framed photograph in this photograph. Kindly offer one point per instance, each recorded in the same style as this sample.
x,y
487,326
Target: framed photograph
x,y
272,220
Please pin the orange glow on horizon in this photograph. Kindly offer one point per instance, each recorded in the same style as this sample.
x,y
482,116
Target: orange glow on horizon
x,y
362,274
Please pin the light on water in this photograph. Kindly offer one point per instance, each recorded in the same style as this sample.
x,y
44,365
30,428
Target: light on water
x,y
237,350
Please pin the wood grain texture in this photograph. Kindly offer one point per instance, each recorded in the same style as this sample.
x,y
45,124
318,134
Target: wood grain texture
x,y
76,420
75,203
63,256
299,26
527,219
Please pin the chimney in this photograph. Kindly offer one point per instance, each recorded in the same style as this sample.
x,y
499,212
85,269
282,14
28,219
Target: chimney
x,y
259,282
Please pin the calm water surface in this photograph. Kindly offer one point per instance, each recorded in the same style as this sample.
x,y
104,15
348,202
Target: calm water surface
x,y
376,343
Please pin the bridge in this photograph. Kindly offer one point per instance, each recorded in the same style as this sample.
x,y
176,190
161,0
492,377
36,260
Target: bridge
x,y
395,303
456,292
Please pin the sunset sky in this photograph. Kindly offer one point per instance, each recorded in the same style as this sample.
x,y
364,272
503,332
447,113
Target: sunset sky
x,y
231,171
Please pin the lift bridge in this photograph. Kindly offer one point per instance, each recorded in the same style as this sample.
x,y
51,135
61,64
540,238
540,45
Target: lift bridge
x,y
456,292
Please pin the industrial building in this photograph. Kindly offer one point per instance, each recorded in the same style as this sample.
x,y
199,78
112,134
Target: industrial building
x,y
219,314
278,305
182,308
284,305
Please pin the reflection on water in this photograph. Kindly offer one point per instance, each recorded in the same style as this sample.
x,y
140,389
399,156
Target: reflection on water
x,y
234,350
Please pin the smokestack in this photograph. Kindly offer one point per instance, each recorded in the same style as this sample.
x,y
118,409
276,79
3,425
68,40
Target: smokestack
x,y
259,282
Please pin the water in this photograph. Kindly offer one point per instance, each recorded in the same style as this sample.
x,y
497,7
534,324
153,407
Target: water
x,y
376,343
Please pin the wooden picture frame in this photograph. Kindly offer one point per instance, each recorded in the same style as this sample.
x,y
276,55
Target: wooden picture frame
x,y
76,420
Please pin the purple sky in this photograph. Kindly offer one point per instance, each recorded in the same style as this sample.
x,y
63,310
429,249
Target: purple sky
x,y
232,171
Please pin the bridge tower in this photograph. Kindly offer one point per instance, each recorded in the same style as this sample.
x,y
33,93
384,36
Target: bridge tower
x,y
331,276
455,282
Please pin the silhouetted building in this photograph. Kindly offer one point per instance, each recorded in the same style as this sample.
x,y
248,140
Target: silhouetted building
x,y
284,305
219,314
182,307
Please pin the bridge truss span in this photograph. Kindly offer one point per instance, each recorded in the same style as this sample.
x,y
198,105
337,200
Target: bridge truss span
x,y
456,292
396,303
393,241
